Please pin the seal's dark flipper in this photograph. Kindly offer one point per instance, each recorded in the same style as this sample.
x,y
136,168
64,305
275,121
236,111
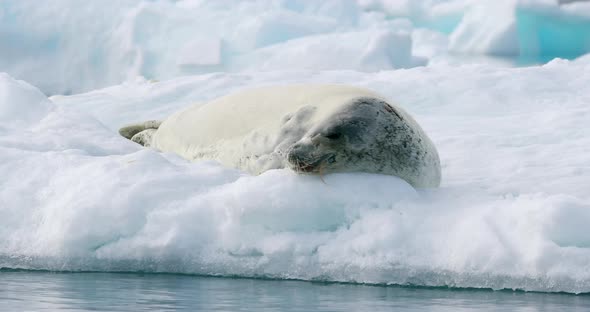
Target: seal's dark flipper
x,y
129,131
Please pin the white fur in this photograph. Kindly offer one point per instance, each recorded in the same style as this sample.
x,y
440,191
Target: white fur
x,y
255,130
249,122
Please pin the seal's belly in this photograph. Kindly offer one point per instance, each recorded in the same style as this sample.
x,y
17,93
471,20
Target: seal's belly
x,y
236,136
254,153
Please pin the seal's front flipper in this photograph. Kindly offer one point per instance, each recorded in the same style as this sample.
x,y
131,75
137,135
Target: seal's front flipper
x,y
129,131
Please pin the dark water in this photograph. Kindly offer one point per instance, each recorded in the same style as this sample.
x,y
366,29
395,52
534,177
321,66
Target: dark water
x,y
40,291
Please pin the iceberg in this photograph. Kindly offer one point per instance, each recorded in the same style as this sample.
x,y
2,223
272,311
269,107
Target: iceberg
x,y
547,34
511,213
534,32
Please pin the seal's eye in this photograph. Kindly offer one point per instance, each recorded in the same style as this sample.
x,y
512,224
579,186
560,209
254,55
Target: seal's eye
x,y
333,135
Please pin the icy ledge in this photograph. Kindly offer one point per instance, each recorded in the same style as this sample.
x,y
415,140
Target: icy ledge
x,y
512,212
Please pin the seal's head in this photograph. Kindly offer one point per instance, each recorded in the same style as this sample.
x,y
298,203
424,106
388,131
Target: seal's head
x,y
345,141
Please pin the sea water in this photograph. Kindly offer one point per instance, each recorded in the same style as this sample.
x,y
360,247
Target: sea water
x,y
45,291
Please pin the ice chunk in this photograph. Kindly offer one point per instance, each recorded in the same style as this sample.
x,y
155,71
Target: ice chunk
x,y
442,16
70,47
21,103
548,33
366,51
200,52
487,28
389,49
201,55
270,28
535,31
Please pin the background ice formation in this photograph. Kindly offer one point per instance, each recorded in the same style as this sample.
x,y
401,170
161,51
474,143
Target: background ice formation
x,y
512,211
72,46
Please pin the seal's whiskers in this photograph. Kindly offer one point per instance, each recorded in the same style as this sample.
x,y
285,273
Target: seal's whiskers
x,y
321,172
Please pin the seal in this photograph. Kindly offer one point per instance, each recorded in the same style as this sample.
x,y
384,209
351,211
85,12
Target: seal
x,y
311,129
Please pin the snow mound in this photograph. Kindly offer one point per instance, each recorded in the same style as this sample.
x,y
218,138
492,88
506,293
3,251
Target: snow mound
x,y
20,102
512,211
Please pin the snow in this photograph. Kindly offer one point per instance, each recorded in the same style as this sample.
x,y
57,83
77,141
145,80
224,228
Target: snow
x,y
362,51
21,102
71,46
205,51
512,210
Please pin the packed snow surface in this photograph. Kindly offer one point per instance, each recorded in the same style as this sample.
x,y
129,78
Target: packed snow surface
x,y
512,211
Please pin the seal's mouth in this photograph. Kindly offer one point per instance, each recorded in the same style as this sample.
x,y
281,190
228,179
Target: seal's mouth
x,y
312,167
